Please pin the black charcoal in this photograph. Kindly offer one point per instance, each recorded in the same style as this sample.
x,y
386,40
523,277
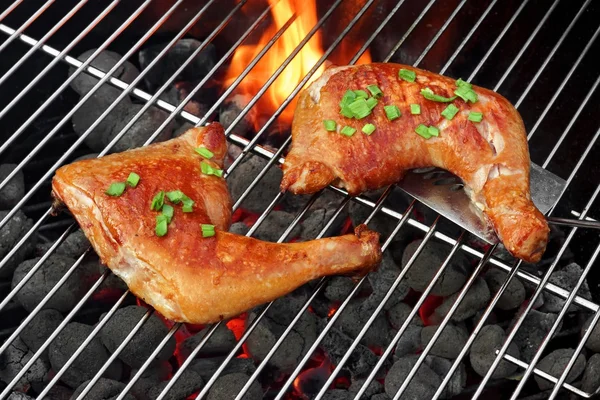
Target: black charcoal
x,y
284,309
514,294
381,281
14,190
449,343
338,288
380,222
337,394
183,128
89,361
231,108
228,387
374,388
273,226
532,332
457,382
565,278
428,262
476,298
593,342
104,61
145,341
40,328
241,177
104,389
19,396
44,279
188,383
315,221
59,392
409,342
591,376
381,396
94,268
174,58
398,314
206,367
221,342
239,228
12,361
327,200
90,156
422,386
555,363
483,352
361,361
74,245
10,235
352,320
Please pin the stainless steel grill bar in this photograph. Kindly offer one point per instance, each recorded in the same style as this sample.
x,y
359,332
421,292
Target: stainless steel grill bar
x,y
10,9
25,24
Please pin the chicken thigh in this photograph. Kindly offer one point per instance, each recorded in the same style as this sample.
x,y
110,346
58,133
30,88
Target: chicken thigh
x,y
474,133
165,232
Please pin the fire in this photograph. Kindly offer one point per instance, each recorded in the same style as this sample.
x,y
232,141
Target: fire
x,y
306,18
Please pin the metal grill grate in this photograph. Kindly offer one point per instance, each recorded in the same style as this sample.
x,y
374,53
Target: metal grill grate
x,y
537,53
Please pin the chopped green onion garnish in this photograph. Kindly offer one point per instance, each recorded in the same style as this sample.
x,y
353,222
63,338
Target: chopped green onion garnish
x,y
359,108
392,112
175,196
461,83
207,230
361,94
188,205
161,225
422,130
450,111
330,125
433,131
167,211
466,93
475,116
375,91
368,129
346,111
158,201
208,170
133,179
204,152
415,109
371,102
348,97
429,95
407,75
115,189
348,131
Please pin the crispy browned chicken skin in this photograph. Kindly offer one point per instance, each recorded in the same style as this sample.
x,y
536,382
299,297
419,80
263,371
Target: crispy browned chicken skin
x,y
491,156
183,275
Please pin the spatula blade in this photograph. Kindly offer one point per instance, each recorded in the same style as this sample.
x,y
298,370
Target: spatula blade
x,y
443,192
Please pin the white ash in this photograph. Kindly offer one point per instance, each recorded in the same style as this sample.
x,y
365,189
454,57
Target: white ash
x,y
228,387
241,177
39,329
591,376
273,226
44,280
10,235
421,273
14,190
409,342
532,332
422,386
476,298
104,389
483,352
221,342
206,367
374,388
12,361
338,288
188,383
555,363
143,343
565,278
449,344
513,296
398,314
89,361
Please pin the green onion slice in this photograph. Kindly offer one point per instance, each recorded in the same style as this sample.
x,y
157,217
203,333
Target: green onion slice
x,y
371,102
368,129
161,225
207,230
330,125
475,116
208,170
429,95
423,131
348,97
359,108
188,205
392,112
133,179
360,94
450,111
347,131
461,83
158,201
204,152
115,189
466,93
168,211
415,109
175,196
375,91
407,75
433,131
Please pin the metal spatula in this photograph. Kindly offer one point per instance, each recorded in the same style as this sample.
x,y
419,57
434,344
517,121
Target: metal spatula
x,y
443,192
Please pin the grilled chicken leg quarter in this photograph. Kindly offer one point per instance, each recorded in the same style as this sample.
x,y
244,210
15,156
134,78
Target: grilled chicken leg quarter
x,y
490,156
187,274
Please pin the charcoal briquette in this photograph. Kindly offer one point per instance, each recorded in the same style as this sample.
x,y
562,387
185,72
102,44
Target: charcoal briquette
x,y
144,342
12,361
352,320
593,342
475,299
374,388
228,387
361,361
426,265
449,344
10,235
89,361
16,395
60,392
221,342
14,190
457,382
338,288
483,352
555,363
532,332
188,383
565,278
409,342
337,394
381,396
381,281
231,109
183,128
74,245
514,294
422,386
103,389
398,314
239,228
317,219
206,367
591,376
273,226
44,279
43,324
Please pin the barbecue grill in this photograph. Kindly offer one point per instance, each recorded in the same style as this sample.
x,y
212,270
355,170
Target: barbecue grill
x,y
538,54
